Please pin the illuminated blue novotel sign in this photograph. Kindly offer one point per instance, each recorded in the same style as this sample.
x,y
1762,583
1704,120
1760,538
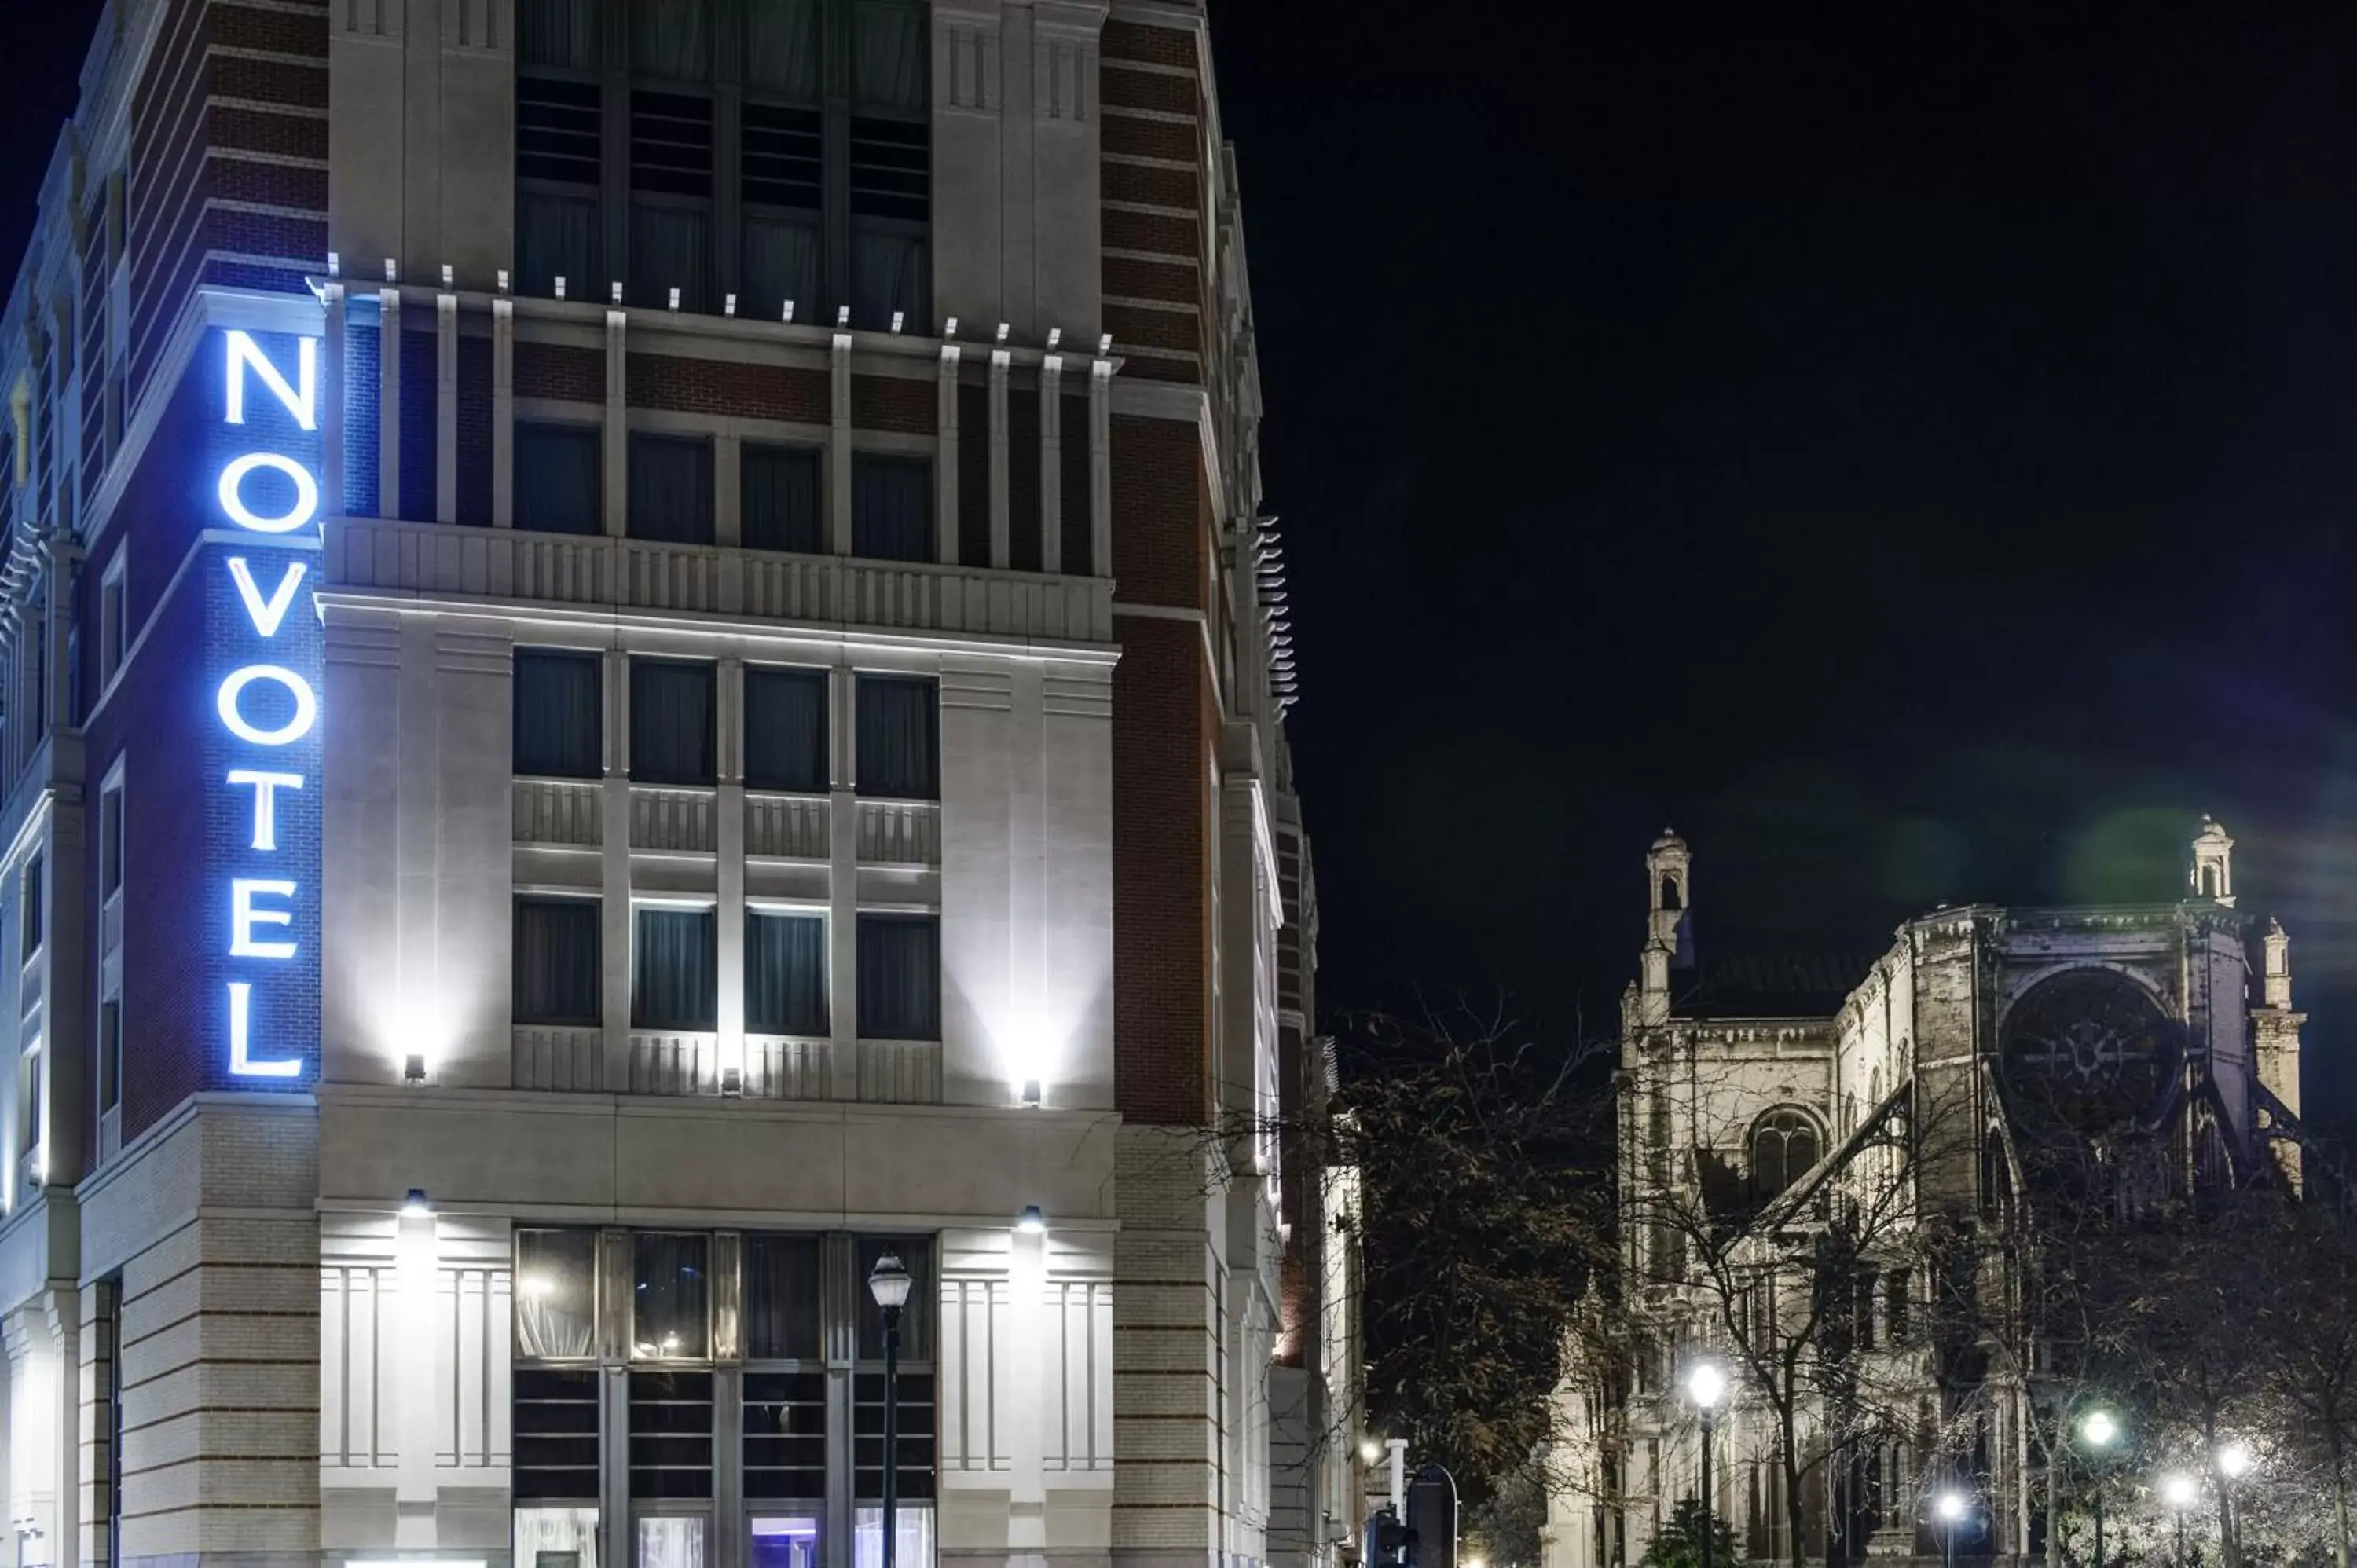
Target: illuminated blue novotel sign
x,y
264,671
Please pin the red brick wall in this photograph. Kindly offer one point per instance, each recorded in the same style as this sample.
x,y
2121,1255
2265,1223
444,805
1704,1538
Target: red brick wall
x,y
559,371
1160,555
719,387
895,402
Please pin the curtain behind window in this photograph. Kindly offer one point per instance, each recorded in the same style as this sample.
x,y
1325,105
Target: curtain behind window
x,y
891,508
780,264
785,730
556,1292
778,496
785,974
900,977
888,273
558,471
672,1294
671,489
781,1298
782,48
557,733
887,57
675,978
556,236
671,38
897,726
561,32
556,972
672,728
670,248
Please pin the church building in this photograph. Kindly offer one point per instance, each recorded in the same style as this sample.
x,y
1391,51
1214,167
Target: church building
x,y
1783,1124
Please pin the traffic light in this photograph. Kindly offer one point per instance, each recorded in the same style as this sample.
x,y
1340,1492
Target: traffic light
x,y
1394,1542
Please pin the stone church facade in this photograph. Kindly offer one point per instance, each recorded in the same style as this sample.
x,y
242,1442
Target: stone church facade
x,y
1773,1115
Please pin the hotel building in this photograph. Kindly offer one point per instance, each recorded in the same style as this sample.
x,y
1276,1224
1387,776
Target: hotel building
x,y
639,665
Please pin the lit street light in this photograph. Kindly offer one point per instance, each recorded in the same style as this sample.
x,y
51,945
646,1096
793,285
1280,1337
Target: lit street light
x,y
2180,1493
2097,1429
1706,1385
1950,1507
889,1283
2234,1462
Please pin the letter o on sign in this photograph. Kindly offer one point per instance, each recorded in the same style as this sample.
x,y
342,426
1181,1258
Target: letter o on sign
x,y
306,493
306,706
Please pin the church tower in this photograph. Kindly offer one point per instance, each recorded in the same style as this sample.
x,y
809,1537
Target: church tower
x,y
2212,875
1668,866
2275,1042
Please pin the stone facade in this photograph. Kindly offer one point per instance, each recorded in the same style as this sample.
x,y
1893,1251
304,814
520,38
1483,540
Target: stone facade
x,y
1764,1103
291,1138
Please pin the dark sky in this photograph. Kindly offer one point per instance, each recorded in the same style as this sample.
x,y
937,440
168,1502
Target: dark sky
x,y
1913,455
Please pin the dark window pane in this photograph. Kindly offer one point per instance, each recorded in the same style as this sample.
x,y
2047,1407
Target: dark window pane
x,y
556,237
780,264
891,508
670,248
558,479
780,497
555,1434
888,61
557,973
675,978
900,977
781,45
785,974
785,1448
671,38
555,1293
887,276
915,1255
916,1433
671,1294
671,489
781,1299
891,172
560,135
671,1437
673,727
557,732
784,162
561,32
896,729
110,842
785,730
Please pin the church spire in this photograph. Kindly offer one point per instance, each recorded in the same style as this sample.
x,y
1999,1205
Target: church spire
x,y
1668,866
2212,874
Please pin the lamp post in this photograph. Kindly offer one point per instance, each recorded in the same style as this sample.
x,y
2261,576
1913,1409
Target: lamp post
x,y
889,1283
1950,1507
2179,1492
2234,1461
1706,1385
2097,1429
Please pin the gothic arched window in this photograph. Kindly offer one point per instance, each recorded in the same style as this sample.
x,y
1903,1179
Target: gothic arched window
x,y
1784,1145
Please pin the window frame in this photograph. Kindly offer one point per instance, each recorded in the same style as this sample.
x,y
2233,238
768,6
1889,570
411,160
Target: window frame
x,y
113,620
592,430
708,772
777,909
753,672
32,919
544,656
597,903
710,910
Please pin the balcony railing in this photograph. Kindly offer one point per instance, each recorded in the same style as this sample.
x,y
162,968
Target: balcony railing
x,y
571,1057
632,574
558,811
900,1072
671,818
786,827
900,833
666,1062
778,1067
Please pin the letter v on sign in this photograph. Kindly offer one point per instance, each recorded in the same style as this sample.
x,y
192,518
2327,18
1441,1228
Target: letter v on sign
x,y
265,614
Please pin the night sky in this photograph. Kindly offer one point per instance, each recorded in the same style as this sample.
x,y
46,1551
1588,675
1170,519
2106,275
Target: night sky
x,y
1913,457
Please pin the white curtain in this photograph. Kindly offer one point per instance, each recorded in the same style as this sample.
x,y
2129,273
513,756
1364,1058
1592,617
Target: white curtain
x,y
570,1535
671,1541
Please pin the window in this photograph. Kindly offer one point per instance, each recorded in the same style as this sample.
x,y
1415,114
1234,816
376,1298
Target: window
x,y
900,977
785,730
30,909
674,727
897,726
671,489
676,980
559,477
778,499
29,1102
558,732
782,1301
556,1292
785,974
1783,1148
817,113
110,1056
113,610
557,978
110,842
671,1299
891,508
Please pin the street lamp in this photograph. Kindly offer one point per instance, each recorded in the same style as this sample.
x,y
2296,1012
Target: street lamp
x,y
1950,1507
2180,1493
889,1283
2234,1462
2098,1429
1706,1385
